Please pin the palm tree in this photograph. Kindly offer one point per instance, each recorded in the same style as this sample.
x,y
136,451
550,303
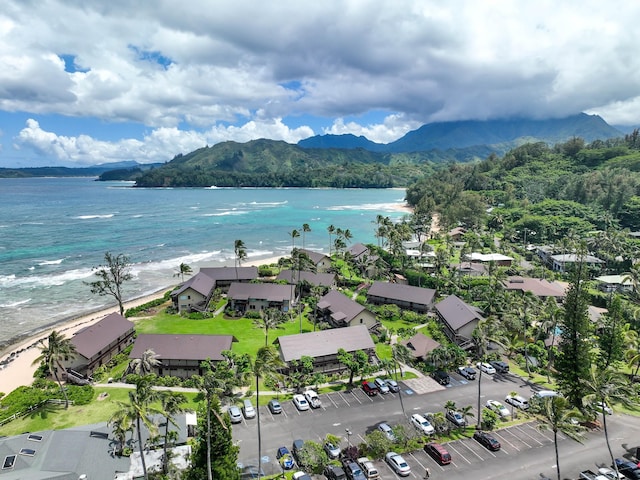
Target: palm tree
x,y
485,332
266,364
512,393
555,414
183,270
120,427
467,412
269,319
330,230
305,229
172,403
606,387
294,234
57,350
241,253
138,411
400,355
144,365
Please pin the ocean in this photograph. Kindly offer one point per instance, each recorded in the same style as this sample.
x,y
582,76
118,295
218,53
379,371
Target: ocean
x,y
54,231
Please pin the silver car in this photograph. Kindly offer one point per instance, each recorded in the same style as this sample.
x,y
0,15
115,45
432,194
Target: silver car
x,y
398,464
382,385
234,414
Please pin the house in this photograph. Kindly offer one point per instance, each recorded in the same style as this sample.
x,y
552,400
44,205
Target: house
x,y
458,319
338,310
358,250
84,452
194,294
258,296
320,260
497,258
471,269
181,355
405,296
615,283
328,280
456,234
98,343
539,287
420,345
225,276
367,263
323,346
560,263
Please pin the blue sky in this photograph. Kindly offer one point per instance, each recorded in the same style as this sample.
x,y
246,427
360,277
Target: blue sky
x,y
122,80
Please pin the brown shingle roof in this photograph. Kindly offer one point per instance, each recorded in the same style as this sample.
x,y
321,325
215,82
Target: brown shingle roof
x,y
182,347
321,279
537,286
91,340
404,293
200,282
419,345
338,303
457,313
324,342
260,291
315,257
229,273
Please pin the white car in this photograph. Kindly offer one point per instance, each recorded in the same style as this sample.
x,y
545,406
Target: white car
x,y
398,464
382,385
600,406
517,401
313,399
499,408
610,473
422,424
486,368
300,402
388,431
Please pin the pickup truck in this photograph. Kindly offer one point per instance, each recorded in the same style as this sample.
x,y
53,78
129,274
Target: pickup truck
x,y
313,399
590,475
368,468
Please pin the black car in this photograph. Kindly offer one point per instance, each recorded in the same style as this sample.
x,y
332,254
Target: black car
x,y
628,468
441,377
500,366
489,442
333,472
353,470
296,447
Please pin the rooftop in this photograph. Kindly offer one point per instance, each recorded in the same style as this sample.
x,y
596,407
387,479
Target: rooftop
x,y
324,342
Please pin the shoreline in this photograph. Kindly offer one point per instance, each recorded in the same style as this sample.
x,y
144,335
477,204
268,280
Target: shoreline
x,y
23,351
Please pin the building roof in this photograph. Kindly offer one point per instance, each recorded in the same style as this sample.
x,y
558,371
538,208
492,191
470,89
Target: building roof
x,y
321,279
572,258
182,347
420,345
404,293
615,279
90,340
468,267
200,282
340,306
457,313
358,249
271,292
230,274
456,231
537,286
489,257
315,257
324,342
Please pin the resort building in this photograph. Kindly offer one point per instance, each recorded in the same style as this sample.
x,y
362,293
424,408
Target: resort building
x,y
407,297
459,320
338,310
259,296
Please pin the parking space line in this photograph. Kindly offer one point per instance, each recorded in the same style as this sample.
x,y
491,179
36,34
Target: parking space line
x,y
497,434
331,400
532,438
419,462
345,400
432,460
508,430
542,433
450,445
472,451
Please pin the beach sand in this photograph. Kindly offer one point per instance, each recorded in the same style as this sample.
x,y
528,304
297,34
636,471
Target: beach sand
x,y
20,370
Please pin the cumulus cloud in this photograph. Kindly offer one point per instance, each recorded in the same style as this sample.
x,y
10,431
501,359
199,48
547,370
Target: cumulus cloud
x,y
244,67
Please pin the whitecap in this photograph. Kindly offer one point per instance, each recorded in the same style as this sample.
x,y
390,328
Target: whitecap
x,y
51,262
14,304
225,213
91,217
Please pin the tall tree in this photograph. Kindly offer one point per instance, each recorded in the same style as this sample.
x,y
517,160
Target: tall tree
x,y
266,364
293,234
487,331
555,414
305,229
611,334
112,276
573,362
183,270
172,405
270,318
145,364
53,354
240,252
330,230
356,362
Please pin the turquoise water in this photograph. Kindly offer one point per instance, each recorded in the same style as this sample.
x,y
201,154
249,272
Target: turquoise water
x,y
54,230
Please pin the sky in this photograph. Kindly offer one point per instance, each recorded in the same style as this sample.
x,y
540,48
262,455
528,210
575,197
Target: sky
x,y
92,82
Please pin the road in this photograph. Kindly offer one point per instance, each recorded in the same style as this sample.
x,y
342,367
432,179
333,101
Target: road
x,y
527,452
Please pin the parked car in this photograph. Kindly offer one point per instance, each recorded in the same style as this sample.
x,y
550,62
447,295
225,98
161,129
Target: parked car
x,y
431,418
353,470
300,402
441,377
545,394
387,430
398,464
486,440
369,469
422,424
628,468
313,398
382,385
296,447
467,372
393,385
610,473
369,388
301,476
247,408
285,459
333,451
274,406
500,366
438,453
333,472
456,418
517,401
601,406
499,408
234,414
591,475
486,368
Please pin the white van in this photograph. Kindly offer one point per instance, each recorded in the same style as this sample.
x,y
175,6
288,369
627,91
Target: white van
x,y
247,408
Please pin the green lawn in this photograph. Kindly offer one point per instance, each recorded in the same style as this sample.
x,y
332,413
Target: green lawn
x,y
250,338
55,417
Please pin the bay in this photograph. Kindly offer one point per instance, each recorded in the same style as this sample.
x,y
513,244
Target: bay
x,y
53,231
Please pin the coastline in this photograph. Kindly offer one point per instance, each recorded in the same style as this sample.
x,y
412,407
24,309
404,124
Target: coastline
x,y
24,351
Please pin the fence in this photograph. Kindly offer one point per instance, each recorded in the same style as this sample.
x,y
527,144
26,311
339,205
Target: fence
x,y
32,408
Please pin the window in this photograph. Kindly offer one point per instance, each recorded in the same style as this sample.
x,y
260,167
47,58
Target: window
x,y
9,462
35,438
29,452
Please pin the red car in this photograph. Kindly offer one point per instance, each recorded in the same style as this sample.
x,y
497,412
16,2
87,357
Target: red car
x,y
370,388
438,452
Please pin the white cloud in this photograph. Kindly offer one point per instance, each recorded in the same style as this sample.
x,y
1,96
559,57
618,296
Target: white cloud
x,y
393,127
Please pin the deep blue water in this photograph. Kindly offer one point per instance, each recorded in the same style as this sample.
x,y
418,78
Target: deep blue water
x,y
54,230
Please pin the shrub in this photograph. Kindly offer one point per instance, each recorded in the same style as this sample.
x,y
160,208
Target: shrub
x,y
252,314
80,395
265,271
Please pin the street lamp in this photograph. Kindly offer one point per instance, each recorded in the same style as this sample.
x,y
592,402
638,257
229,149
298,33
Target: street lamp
x,y
349,433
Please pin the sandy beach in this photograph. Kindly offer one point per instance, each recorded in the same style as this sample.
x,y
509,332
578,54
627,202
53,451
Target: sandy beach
x,y
20,370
